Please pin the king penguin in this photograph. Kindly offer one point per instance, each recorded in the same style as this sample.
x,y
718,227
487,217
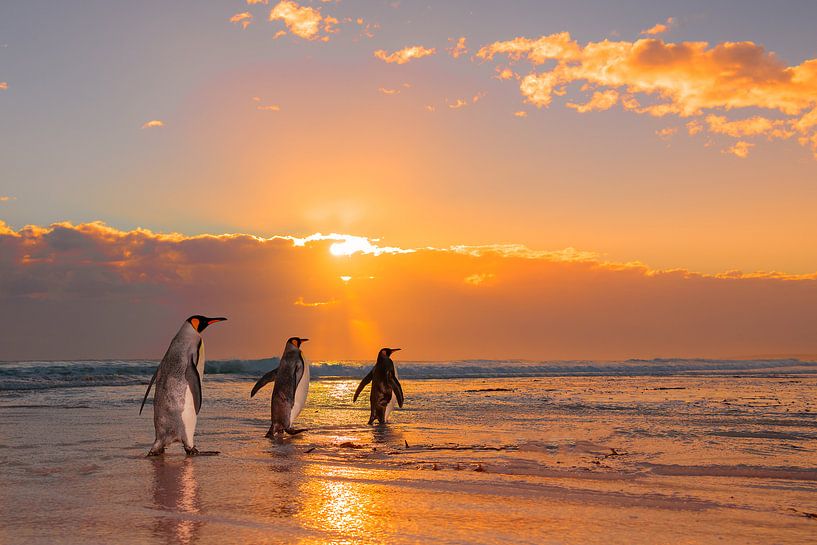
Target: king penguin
x,y
291,386
177,398
385,387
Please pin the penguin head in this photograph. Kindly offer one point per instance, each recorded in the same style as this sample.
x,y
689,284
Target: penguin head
x,y
387,352
200,322
296,341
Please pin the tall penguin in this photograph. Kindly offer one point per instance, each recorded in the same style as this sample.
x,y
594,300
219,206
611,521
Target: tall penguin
x,y
291,386
177,398
385,387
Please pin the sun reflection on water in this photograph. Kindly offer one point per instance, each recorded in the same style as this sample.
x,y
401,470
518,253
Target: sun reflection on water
x,y
335,501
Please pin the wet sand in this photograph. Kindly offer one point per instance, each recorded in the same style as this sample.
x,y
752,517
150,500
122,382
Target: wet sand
x,y
686,459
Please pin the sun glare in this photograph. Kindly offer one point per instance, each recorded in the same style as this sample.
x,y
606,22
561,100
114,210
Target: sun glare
x,y
352,245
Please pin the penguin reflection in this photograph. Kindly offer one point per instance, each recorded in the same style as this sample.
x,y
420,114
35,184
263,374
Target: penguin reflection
x,y
176,494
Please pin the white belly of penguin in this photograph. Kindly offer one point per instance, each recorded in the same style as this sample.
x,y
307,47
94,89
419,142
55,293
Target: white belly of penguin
x,y
300,394
393,400
189,416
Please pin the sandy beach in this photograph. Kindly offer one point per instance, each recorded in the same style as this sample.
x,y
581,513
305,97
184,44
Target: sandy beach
x,y
568,459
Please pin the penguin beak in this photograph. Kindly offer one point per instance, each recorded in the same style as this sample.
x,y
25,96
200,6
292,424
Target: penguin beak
x,y
395,349
214,320
304,340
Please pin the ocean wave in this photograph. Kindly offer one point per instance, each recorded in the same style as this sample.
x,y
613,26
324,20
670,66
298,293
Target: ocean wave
x,y
32,375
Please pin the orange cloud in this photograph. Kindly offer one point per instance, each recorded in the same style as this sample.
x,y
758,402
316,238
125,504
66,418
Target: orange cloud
x,y
402,56
268,108
458,48
740,149
660,28
4,86
388,91
303,21
600,101
153,123
6,198
121,293
521,113
457,104
666,133
686,79
244,18
299,302
253,2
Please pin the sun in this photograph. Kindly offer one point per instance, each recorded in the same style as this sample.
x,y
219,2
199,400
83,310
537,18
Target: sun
x,y
351,245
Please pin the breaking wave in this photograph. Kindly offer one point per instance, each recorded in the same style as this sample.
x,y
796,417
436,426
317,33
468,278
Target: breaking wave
x,y
31,375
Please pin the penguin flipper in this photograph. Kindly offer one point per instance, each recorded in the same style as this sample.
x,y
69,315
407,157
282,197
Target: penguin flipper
x,y
194,382
397,389
366,380
263,381
150,385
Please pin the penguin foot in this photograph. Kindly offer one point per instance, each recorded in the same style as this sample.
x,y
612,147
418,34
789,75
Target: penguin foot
x,y
192,451
293,431
157,452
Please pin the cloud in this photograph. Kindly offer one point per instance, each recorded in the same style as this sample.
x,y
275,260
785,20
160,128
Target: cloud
x,y
503,73
660,28
4,86
402,56
458,47
268,107
388,91
667,132
244,18
123,294
477,279
457,104
521,113
153,123
253,2
299,302
600,101
6,198
740,149
304,21
687,79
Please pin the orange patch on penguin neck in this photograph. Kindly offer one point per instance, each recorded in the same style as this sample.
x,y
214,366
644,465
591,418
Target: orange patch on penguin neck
x,y
195,323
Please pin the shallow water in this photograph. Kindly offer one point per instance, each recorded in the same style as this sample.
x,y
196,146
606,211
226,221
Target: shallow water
x,y
553,459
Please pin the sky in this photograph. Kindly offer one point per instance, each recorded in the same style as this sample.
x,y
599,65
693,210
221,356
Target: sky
x,y
523,179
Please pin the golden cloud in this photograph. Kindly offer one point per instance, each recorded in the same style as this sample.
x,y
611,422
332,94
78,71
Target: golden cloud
x,y
600,101
458,47
153,123
6,198
4,86
133,288
388,91
740,149
686,79
521,113
299,302
402,56
303,21
666,133
244,18
660,28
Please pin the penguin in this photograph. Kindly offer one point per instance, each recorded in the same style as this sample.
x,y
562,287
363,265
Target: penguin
x,y
177,398
385,387
291,386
